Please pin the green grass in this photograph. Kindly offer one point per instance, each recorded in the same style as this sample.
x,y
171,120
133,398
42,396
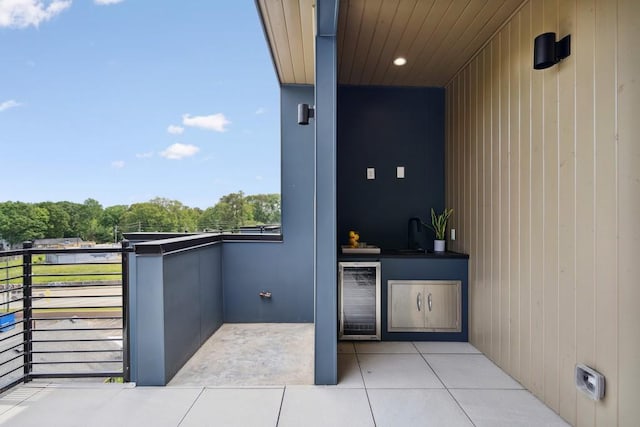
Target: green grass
x,y
86,272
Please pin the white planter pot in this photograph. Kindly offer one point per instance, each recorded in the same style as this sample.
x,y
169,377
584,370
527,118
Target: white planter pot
x,y
438,245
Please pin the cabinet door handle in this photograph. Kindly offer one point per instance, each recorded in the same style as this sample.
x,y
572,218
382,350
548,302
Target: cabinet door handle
x,y
419,301
429,301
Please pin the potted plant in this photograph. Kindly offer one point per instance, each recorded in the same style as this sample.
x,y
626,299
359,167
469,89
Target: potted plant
x,y
439,226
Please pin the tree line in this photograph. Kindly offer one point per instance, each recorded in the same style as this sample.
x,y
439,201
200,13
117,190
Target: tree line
x,y
21,221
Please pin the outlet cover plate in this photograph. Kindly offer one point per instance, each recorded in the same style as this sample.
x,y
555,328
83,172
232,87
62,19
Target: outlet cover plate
x,y
590,382
371,173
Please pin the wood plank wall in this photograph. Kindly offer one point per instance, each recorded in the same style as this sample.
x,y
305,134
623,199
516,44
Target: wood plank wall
x,y
543,172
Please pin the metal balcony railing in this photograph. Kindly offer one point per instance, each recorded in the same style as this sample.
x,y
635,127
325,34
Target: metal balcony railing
x,y
63,314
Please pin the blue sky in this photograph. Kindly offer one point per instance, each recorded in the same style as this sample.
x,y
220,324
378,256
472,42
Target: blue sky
x,y
123,101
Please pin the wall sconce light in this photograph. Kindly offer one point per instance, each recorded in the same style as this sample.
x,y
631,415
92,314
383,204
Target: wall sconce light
x,y
305,112
547,52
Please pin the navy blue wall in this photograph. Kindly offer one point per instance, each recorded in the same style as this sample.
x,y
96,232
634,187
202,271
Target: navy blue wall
x,y
384,127
177,305
286,268
192,303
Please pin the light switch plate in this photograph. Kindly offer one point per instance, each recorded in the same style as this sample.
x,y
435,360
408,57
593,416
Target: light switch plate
x,y
400,172
371,173
453,234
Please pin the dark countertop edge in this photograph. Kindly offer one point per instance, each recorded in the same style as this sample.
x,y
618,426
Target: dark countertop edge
x,y
407,255
190,241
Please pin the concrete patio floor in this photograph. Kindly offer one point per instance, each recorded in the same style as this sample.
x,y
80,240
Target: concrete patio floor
x,y
380,384
248,354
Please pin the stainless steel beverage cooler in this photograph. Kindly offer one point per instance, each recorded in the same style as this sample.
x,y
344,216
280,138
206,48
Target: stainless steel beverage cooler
x,y
359,300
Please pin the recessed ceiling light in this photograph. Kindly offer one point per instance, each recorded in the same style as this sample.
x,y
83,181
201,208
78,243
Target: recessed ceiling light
x,y
399,61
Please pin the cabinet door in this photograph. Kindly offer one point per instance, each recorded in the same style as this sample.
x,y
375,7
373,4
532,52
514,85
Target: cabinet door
x,y
442,306
406,306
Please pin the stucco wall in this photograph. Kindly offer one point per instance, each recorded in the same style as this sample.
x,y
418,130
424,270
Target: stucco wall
x,y
284,268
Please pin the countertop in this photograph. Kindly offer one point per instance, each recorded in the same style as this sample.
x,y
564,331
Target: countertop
x,y
404,253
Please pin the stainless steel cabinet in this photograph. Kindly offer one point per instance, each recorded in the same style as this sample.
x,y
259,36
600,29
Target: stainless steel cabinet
x,y
424,306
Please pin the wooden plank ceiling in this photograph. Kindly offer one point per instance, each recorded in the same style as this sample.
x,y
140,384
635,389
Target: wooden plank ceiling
x,y
437,37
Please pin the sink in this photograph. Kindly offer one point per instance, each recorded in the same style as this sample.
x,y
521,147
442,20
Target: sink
x,y
409,251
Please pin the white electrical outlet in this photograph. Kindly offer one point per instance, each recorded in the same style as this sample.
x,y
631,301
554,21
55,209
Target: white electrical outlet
x,y
453,234
589,381
371,173
400,172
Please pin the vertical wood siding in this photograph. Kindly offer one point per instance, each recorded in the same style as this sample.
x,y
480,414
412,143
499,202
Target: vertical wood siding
x,y
543,174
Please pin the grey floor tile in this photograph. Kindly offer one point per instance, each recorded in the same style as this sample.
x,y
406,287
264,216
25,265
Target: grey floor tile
x,y
346,347
506,408
78,383
397,371
153,406
18,395
469,371
61,407
385,347
235,407
39,383
311,406
410,407
349,375
403,390
445,347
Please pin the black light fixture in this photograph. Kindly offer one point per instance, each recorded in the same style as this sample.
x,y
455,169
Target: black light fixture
x,y
305,112
547,52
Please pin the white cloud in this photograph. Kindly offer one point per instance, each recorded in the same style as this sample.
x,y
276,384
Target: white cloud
x,y
8,104
259,178
145,155
175,130
216,122
25,13
261,110
107,2
179,151
117,164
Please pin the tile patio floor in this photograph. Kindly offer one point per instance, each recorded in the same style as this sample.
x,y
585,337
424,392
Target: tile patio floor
x,y
381,384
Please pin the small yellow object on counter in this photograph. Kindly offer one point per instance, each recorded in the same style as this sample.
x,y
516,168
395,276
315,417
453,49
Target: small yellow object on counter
x,y
353,239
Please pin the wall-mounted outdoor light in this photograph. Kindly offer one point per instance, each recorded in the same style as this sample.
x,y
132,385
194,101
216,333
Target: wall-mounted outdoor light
x,y
547,52
305,112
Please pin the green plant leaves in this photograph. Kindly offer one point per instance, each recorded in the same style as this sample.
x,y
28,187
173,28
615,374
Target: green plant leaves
x,y
439,222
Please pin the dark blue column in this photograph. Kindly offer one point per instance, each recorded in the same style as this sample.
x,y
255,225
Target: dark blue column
x,y
326,339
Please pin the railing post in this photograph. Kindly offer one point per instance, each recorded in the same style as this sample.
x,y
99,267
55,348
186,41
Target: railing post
x,y
27,308
125,312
